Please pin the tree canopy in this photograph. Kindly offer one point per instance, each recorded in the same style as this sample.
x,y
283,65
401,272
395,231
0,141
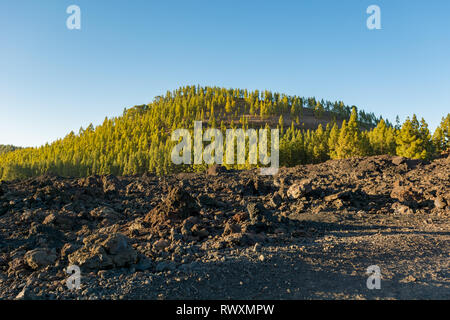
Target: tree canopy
x,y
140,140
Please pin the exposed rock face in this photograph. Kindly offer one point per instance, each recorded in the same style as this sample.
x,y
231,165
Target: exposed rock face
x,y
103,251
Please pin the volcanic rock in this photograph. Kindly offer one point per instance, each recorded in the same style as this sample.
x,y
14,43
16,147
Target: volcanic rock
x,y
405,193
215,170
104,251
39,258
177,206
231,228
161,244
440,202
299,189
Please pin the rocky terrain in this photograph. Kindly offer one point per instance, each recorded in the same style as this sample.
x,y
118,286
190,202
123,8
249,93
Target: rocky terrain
x,y
310,232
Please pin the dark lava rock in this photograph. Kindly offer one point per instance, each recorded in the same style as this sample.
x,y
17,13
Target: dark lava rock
x,y
276,200
104,251
178,206
206,200
261,219
39,258
398,160
410,163
215,170
440,203
299,189
231,228
110,184
61,221
405,193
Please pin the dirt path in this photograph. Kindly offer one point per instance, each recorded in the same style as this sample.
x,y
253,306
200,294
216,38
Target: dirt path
x,y
414,263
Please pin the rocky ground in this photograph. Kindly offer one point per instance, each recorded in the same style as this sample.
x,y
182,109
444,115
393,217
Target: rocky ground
x,y
310,232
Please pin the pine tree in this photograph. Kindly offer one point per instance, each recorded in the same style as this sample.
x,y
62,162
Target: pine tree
x,y
441,136
281,124
333,141
349,142
410,143
382,139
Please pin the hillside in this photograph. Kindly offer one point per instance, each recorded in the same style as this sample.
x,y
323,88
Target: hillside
x,y
139,141
7,148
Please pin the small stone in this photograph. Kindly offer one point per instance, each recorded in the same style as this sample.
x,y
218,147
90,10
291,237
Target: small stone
x,y
261,258
231,228
407,279
25,294
144,264
161,244
440,203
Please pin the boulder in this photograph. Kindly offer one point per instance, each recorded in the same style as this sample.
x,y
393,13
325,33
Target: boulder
x,y
299,189
261,219
110,184
161,244
215,170
398,160
177,206
240,217
40,258
25,294
408,163
275,200
440,202
104,251
405,193
401,208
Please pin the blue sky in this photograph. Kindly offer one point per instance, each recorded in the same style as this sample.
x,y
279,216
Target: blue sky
x,y
54,80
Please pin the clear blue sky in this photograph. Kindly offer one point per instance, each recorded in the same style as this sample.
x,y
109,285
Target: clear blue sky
x,y
54,80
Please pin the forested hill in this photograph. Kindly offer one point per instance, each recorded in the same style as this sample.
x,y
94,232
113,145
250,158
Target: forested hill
x,y
139,140
7,148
